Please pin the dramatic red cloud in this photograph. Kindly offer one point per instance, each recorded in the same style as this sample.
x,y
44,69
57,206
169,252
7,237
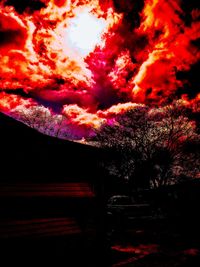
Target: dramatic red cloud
x,y
83,62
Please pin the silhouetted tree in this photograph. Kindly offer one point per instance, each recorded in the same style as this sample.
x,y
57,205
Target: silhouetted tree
x,y
43,120
148,145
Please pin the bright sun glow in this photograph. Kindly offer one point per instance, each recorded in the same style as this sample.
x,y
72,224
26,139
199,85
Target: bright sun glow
x,y
84,32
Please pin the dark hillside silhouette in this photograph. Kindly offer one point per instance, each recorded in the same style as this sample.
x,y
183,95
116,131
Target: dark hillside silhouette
x,y
27,154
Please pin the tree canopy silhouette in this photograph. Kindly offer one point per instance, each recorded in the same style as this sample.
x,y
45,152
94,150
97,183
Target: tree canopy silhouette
x,y
152,147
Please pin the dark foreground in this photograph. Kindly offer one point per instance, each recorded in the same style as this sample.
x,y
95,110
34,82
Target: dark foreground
x,y
166,244
72,230
160,245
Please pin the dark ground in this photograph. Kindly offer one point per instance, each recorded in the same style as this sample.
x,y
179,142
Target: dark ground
x,y
29,156
165,244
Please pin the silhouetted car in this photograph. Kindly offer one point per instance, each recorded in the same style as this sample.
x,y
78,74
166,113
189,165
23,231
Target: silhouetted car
x,y
125,206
